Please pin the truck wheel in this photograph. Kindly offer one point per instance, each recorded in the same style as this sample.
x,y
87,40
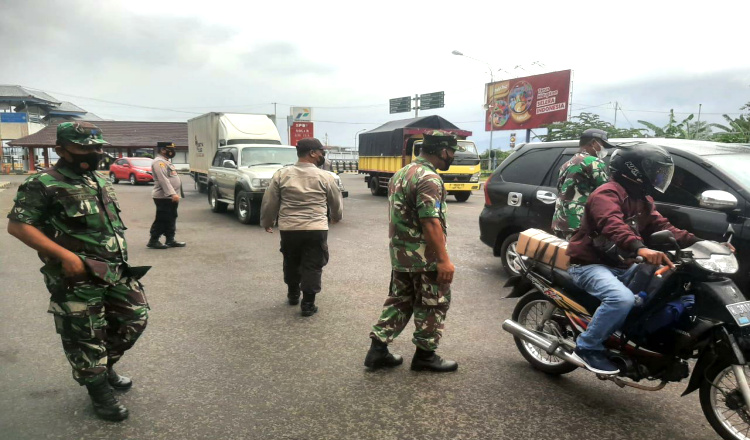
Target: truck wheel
x,y
462,196
375,188
213,200
201,188
247,211
509,255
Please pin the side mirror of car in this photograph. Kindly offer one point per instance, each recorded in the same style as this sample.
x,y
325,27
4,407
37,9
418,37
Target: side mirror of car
x,y
720,200
126,165
229,164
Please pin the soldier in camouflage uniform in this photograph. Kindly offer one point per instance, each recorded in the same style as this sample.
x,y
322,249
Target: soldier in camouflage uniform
x,y
71,216
421,269
579,177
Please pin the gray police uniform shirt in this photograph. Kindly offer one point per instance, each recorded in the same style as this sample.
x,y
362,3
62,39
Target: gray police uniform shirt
x,y
166,180
301,196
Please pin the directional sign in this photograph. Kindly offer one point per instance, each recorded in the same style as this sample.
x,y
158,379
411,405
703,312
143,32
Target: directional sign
x,y
432,100
401,105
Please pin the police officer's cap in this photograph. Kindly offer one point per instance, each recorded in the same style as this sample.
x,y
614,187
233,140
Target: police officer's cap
x,y
168,144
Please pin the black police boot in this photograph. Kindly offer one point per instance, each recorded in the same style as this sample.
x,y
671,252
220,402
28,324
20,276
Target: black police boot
x,y
380,357
308,305
154,243
171,243
106,405
293,297
118,382
428,360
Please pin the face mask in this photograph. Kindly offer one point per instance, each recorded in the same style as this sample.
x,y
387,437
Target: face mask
x,y
170,154
90,159
447,160
321,161
602,153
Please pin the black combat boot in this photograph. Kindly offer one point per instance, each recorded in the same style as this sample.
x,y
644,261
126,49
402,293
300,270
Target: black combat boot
x,y
293,296
172,243
106,405
154,243
308,304
428,360
380,357
118,382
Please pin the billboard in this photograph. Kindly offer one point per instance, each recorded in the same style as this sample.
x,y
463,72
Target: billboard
x,y
301,114
527,102
300,130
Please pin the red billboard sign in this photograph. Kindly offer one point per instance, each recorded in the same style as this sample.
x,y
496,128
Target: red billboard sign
x,y
528,102
300,130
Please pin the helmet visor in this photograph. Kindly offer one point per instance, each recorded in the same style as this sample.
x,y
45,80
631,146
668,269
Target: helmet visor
x,y
659,174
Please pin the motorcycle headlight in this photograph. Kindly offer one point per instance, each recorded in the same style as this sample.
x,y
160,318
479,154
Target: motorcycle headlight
x,y
474,177
260,183
719,263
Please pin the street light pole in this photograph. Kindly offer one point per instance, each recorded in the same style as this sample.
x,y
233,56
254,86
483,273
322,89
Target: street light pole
x,y
486,98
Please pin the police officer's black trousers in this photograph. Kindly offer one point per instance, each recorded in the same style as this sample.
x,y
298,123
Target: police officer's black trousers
x,y
305,254
166,219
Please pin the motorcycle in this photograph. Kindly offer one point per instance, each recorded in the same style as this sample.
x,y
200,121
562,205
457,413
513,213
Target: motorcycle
x,y
693,311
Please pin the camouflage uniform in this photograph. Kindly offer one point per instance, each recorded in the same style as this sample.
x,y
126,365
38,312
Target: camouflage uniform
x,y
101,315
579,177
414,192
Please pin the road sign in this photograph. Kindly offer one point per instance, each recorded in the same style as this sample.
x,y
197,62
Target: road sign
x,y
301,114
432,100
400,105
300,130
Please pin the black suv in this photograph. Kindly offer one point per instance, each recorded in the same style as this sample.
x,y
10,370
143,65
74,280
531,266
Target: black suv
x,y
522,191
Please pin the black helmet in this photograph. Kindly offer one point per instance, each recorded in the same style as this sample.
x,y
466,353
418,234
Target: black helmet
x,y
646,164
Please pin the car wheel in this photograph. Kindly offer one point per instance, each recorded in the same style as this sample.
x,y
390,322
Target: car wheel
x,y
113,178
245,209
213,200
132,180
509,255
462,196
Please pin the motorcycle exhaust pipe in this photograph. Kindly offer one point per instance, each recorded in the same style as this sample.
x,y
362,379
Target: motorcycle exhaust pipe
x,y
553,348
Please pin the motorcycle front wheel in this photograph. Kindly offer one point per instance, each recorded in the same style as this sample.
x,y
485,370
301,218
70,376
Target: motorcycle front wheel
x,y
723,404
529,313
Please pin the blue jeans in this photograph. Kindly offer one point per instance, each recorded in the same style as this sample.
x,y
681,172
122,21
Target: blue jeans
x,y
608,284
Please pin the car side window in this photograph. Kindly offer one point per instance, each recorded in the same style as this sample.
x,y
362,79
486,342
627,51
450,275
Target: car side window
x,y
554,174
217,159
532,167
120,162
232,155
686,187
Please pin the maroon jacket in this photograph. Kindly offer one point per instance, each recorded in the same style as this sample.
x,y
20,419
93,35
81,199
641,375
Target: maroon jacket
x,y
606,210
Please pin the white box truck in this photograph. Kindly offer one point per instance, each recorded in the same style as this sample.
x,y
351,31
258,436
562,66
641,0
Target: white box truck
x,y
206,133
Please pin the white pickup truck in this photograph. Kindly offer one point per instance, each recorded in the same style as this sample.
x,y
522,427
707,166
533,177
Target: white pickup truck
x,y
240,173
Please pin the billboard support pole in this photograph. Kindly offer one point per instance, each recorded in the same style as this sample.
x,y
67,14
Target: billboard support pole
x,y
416,105
528,135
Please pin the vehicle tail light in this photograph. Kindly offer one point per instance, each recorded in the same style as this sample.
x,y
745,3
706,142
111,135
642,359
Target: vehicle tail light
x,y
487,201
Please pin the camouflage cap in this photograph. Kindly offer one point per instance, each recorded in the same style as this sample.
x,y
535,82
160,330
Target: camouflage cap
x,y
435,139
80,133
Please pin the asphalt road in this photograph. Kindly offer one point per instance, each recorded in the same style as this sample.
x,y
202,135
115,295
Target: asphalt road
x,y
224,356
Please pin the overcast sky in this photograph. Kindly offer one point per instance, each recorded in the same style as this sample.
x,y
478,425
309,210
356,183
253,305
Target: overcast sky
x,y
346,59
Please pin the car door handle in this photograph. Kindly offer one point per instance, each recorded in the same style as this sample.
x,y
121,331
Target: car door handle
x,y
546,197
515,199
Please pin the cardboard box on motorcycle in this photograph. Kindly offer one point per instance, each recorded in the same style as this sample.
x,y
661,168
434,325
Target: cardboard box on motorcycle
x,y
544,247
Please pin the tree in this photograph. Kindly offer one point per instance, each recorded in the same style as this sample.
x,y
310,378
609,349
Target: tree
x,y
738,129
578,124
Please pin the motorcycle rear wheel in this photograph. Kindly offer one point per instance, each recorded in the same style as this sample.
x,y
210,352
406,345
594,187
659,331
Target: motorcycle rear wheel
x,y
528,312
722,403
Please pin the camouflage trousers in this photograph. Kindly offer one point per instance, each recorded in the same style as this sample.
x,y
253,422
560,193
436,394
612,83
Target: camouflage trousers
x,y
416,293
96,322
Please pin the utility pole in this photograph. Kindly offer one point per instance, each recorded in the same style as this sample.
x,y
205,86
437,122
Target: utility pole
x,y
416,105
616,104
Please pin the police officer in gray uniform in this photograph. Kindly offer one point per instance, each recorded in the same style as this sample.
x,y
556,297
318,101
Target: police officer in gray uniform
x,y
166,196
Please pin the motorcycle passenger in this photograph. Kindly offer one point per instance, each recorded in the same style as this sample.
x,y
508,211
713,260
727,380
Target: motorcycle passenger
x,y
578,178
620,212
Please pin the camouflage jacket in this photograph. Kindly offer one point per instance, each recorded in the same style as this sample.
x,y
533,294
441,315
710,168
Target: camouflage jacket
x,y
78,212
414,192
579,177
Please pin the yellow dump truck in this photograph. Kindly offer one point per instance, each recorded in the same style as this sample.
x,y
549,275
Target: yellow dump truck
x,y
390,147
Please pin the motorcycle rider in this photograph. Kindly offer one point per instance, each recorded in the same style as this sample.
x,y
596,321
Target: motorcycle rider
x,y
620,212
